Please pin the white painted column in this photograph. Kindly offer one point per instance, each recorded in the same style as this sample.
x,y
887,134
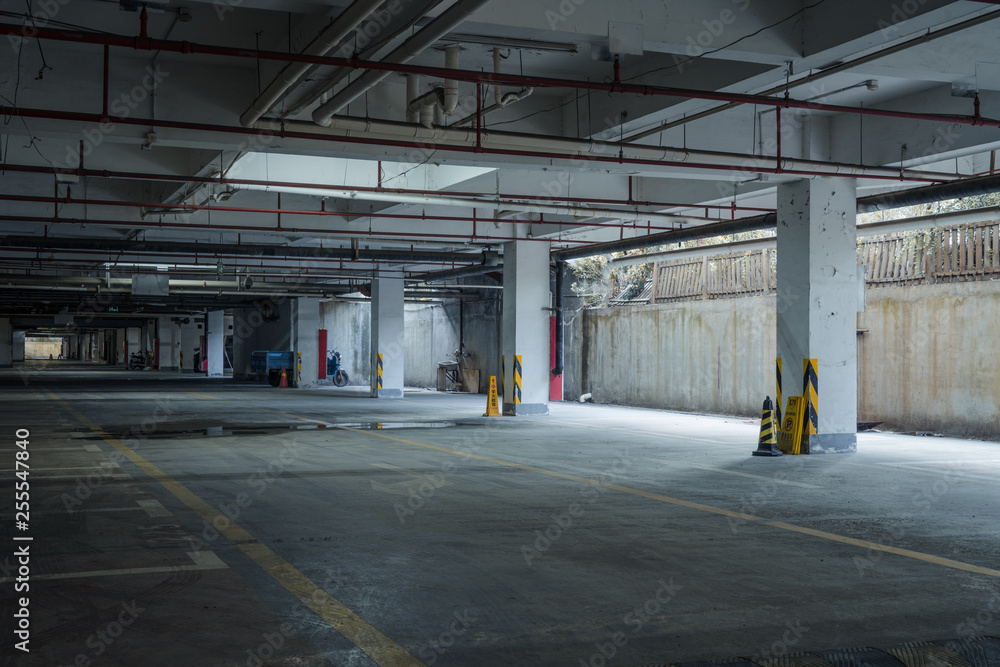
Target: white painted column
x,y
170,344
817,302
526,325
387,336
214,341
305,323
17,353
190,334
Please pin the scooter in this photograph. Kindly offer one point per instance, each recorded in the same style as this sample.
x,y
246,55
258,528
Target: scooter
x,y
334,371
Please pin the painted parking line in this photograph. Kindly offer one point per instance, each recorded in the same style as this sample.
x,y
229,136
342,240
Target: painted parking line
x,y
384,651
907,553
203,560
153,507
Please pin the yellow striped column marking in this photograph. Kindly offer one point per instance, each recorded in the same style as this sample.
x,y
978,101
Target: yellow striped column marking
x,y
842,539
810,390
778,405
380,648
517,379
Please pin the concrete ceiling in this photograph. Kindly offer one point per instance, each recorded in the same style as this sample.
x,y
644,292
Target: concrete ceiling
x,y
166,161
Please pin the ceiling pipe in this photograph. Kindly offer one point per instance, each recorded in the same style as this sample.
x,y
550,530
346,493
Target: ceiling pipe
x,y
836,69
153,209
292,73
365,54
508,205
173,178
515,143
913,197
734,163
970,187
500,99
412,47
613,87
245,249
936,221
413,237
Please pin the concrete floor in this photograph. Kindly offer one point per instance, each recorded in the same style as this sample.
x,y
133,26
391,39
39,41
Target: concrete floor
x,y
593,536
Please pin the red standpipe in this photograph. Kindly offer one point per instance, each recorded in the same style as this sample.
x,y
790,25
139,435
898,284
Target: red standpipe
x,y
322,354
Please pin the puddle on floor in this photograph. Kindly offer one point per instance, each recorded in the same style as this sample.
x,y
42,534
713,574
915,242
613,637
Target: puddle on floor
x,y
271,429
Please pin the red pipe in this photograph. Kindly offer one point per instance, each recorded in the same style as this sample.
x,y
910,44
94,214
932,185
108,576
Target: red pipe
x,y
107,66
144,43
312,136
95,173
176,209
246,228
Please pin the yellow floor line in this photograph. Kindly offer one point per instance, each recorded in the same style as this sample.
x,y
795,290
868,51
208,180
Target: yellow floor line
x,y
916,555
380,648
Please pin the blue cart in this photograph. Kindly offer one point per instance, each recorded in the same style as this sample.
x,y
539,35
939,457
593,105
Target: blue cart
x,y
265,363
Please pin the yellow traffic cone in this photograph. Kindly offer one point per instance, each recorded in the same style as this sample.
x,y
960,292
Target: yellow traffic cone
x,y
493,401
767,444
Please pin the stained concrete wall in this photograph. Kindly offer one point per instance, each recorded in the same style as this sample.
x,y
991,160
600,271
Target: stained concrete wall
x,y
482,322
431,335
347,325
924,359
714,356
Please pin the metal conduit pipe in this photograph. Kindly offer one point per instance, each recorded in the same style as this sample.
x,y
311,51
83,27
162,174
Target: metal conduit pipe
x,y
514,141
913,197
822,74
447,21
970,187
936,221
585,212
174,178
292,73
245,249
616,87
367,53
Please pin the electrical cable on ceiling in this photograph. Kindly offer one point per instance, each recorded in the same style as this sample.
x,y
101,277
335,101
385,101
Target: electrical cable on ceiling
x,y
677,64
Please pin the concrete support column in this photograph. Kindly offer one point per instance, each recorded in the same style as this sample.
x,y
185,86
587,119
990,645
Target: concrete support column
x,y
6,343
170,344
214,341
305,327
817,302
387,337
526,326
17,353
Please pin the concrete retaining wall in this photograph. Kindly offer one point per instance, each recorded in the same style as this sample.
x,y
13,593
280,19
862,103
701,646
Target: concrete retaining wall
x,y
925,361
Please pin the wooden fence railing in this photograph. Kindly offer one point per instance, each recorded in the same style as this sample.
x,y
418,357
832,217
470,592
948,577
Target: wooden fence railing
x,y
954,254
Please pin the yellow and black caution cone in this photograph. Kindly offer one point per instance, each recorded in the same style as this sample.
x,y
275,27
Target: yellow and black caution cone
x,y
767,445
492,401
284,379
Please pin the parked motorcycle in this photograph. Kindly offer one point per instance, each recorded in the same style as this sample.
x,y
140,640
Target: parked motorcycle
x,y
333,369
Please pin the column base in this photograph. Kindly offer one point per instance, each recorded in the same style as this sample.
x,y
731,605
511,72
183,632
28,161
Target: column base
x,y
389,393
512,410
833,443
